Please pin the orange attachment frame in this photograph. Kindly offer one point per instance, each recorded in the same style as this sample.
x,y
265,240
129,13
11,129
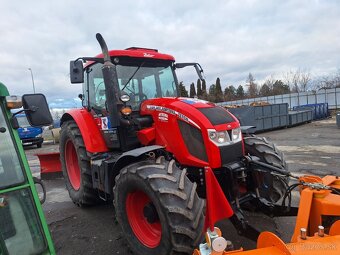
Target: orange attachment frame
x,y
313,205
316,203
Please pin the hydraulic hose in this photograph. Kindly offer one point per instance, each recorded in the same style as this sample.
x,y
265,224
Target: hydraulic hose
x,y
273,168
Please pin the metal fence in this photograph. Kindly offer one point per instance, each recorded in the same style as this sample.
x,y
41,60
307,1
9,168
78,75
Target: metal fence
x,y
330,96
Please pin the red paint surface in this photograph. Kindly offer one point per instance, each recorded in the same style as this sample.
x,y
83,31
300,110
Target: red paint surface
x,y
93,139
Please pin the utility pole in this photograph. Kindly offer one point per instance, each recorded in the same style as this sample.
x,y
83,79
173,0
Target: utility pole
x,y
32,80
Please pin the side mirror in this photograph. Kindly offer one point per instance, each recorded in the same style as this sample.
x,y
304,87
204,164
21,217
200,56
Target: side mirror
x,y
76,71
36,109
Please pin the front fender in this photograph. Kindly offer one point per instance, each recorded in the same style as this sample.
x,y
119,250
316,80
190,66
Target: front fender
x,y
93,139
127,157
124,160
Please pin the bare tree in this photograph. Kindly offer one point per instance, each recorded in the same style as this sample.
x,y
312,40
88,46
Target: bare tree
x,y
324,82
305,79
298,80
337,78
287,78
328,81
252,86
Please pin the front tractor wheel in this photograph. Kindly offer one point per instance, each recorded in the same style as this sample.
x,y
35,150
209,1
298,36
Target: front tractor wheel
x,y
158,209
76,165
273,187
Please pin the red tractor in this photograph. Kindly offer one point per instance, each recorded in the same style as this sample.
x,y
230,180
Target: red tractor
x,y
137,143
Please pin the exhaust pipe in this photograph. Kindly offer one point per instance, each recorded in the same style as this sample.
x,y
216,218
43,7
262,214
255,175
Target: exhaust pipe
x,y
111,83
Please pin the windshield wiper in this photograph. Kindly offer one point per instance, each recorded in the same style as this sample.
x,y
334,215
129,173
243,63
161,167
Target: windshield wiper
x,y
133,75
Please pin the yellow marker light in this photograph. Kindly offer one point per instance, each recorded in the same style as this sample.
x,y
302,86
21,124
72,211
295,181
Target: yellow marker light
x,y
13,102
126,111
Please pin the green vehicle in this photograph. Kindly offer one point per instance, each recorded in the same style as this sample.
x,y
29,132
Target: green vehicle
x,y
23,228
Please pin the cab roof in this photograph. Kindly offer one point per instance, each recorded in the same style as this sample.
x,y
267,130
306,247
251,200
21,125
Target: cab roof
x,y
137,52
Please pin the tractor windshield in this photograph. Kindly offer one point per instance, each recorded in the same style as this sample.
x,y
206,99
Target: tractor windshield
x,y
146,82
139,79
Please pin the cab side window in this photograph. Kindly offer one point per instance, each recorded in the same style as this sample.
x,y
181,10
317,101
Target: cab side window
x,y
10,168
96,86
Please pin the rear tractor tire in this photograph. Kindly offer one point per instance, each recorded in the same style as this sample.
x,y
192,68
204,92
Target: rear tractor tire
x,y
158,208
76,166
273,187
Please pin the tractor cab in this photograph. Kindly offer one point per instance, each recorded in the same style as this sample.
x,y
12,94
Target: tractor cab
x,y
138,74
23,229
138,80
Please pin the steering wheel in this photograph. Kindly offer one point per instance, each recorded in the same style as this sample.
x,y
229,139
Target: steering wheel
x,y
141,97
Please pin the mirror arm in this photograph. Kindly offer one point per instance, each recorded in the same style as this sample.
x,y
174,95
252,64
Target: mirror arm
x,y
199,71
14,114
197,67
32,109
84,59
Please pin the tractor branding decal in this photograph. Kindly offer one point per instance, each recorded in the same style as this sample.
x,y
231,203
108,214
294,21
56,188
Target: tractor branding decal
x,y
172,112
163,117
147,55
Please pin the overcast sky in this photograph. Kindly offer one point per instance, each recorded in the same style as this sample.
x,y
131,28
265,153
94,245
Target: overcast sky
x,y
228,38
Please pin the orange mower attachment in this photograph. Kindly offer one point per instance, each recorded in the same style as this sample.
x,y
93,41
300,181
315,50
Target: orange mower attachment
x,y
319,204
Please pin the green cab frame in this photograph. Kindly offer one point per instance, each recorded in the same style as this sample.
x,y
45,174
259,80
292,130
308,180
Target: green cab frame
x,y
23,227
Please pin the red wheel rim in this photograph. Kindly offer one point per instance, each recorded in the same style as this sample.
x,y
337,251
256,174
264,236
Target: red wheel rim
x,y
72,166
149,234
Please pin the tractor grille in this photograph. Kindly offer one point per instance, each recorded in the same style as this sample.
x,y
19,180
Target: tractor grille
x,y
216,115
193,140
231,153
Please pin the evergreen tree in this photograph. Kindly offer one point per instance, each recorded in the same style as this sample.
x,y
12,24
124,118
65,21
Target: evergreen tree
x,y
230,93
192,90
182,90
265,90
212,93
204,91
199,88
240,92
218,91
280,88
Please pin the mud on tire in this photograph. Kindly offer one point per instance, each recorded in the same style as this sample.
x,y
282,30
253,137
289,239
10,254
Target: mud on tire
x,y
174,201
273,187
74,160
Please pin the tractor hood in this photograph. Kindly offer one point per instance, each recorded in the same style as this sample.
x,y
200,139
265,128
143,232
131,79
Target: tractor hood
x,y
200,113
190,129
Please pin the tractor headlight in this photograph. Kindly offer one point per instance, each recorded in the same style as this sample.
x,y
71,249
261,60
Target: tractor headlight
x,y
212,134
225,137
125,98
222,137
236,134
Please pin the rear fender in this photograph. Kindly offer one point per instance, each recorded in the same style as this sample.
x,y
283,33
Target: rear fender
x,y
93,139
